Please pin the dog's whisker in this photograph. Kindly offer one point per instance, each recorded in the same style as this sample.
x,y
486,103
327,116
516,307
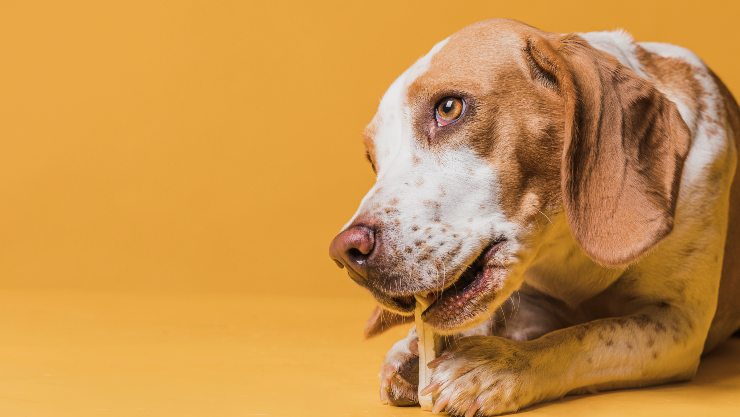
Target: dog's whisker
x,y
514,307
444,278
503,315
548,219
438,278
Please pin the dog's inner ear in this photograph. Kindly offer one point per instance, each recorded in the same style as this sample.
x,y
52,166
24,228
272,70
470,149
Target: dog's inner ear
x,y
542,67
624,148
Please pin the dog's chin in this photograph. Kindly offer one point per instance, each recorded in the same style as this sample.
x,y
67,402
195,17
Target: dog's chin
x,y
466,301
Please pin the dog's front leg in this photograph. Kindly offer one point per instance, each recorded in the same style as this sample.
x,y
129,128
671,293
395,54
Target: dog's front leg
x,y
490,375
399,375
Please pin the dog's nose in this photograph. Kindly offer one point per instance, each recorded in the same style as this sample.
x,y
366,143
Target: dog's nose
x,y
352,248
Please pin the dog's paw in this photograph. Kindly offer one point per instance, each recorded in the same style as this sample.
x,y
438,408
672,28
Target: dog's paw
x,y
399,376
482,376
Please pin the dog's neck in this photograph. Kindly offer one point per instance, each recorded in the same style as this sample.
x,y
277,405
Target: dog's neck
x,y
556,265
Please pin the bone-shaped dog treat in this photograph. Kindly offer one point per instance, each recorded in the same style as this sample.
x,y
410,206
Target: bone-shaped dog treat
x,y
427,352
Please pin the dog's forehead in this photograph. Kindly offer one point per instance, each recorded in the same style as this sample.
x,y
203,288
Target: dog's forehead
x,y
469,60
473,57
474,61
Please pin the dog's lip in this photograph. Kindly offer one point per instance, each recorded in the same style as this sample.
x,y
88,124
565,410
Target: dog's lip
x,y
400,305
474,285
403,305
397,304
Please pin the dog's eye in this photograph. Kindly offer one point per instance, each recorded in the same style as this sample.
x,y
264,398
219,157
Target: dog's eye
x,y
448,110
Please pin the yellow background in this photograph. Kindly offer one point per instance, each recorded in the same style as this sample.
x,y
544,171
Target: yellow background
x,y
171,173
215,145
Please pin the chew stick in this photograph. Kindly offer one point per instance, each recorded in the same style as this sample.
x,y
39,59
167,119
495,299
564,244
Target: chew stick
x,y
427,352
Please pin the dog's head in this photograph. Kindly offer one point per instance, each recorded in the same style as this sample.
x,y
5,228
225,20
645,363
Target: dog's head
x,y
497,128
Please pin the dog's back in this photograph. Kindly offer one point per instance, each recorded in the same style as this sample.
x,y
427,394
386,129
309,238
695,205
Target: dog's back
x,y
727,319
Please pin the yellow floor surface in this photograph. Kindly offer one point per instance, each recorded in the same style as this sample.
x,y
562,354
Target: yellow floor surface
x,y
103,354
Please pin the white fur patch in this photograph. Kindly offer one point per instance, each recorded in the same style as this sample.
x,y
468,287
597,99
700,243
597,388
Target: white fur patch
x,y
706,146
618,44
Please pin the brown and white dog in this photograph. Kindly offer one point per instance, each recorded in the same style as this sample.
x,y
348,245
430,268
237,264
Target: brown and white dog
x,y
565,202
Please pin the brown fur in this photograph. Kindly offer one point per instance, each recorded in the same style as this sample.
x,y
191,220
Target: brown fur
x,y
623,157
675,75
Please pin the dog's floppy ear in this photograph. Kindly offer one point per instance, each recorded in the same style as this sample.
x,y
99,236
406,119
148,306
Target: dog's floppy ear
x,y
623,152
381,320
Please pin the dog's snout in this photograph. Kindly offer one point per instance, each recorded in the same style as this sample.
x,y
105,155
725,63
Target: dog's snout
x,y
352,247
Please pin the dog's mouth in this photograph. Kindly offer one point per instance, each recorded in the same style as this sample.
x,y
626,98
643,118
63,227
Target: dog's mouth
x,y
467,297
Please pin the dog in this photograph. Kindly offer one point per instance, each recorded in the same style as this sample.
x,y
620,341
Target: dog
x,y
566,204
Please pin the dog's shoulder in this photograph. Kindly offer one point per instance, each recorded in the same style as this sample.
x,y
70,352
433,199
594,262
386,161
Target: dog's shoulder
x,y
675,71
701,99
